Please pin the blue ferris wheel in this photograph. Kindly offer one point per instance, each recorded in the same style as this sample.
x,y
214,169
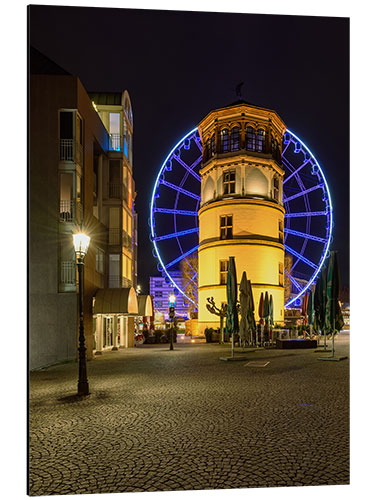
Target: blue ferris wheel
x,y
176,198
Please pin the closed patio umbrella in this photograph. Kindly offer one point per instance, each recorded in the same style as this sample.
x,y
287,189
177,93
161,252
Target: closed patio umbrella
x,y
320,301
266,315
310,311
333,316
260,313
251,317
232,314
244,305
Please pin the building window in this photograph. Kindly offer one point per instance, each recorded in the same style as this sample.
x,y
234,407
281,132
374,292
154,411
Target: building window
x,y
100,257
281,231
281,274
226,227
276,186
235,139
224,140
158,293
213,149
158,284
229,182
250,139
223,272
207,150
114,131
260,140
158,303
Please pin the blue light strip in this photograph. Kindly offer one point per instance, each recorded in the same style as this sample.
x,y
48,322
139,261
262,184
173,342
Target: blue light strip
x,y
181,257
304,214
176,235
152,206
301,257
197,141
305,235
301,193
175,211
180,189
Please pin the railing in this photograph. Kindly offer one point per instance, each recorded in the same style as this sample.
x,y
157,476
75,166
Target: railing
x,y
114,236
70,211
71,150
68,272
115,142
66,150
119,237
115,281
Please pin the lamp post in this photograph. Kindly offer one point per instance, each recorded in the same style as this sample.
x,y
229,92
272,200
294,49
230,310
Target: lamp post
x,y
172,303
81,244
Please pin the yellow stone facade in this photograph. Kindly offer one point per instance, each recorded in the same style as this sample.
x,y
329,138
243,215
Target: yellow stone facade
x,y
241,212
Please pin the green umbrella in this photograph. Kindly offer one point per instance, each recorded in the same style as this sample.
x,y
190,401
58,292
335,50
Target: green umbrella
x,y
232,326
333,316
251,317
244,305
310,308
266,315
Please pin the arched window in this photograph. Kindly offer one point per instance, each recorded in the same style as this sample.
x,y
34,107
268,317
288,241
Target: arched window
x,y
224,140
276,187
207,150
235,139
213,148
260,140
250,139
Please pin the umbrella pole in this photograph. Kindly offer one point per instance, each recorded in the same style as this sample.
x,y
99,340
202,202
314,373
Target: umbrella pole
x,y
232,344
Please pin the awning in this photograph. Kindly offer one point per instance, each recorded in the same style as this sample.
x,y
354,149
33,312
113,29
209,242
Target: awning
x,y
144,305
116,301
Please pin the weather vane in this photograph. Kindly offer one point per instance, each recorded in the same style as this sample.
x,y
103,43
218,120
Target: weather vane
x,y
238,90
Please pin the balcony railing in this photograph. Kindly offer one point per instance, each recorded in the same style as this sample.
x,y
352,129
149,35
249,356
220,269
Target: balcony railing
x,y
70,150
68,272
115,142
119,237
118,282
70,211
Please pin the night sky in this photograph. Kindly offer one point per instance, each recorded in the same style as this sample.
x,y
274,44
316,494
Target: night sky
x,y
177,66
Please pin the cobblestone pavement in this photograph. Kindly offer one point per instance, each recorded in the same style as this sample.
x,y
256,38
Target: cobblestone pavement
x,y
181,420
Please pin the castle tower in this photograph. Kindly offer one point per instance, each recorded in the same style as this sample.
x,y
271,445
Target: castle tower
x,y
241,212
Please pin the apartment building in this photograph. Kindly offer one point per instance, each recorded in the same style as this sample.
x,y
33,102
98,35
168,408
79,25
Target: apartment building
x,y
160,289
80,177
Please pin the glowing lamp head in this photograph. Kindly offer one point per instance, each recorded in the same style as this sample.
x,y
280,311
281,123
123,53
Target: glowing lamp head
x,y
172,299
81,244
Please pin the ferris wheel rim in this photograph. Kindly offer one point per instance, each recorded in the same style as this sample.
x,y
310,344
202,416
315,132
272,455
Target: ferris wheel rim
x,y
327,241
179,143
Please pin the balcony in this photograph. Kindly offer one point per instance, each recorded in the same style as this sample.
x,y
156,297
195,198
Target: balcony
x,y
70,211
114,142
119,237
118,282
71,150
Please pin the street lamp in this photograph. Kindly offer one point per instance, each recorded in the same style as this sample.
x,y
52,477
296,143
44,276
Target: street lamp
x,y
81,244
172,303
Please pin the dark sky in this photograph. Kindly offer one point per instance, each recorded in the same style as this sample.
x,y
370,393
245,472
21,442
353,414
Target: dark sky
x,y
177,66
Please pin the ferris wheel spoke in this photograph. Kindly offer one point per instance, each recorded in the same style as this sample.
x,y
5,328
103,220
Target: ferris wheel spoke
x,y
197,142
300,256
294,281
304,235
175,211
182,256
295,171
180,189
301,193
190,280
304,214
186,167
177,234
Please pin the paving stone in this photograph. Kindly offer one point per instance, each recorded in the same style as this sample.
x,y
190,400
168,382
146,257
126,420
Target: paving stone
x,y
159,420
